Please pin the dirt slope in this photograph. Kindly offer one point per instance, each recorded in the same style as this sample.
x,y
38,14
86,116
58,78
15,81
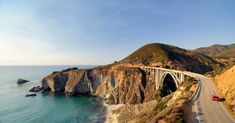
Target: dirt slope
x,y
226,86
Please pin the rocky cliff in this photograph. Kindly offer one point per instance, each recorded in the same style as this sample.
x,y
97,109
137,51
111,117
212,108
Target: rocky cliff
x,y
115,84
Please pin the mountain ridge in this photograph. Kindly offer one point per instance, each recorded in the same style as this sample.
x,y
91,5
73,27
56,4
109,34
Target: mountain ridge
x,y
218,50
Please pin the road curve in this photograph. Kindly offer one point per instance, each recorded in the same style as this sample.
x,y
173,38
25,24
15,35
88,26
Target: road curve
x,y
202,109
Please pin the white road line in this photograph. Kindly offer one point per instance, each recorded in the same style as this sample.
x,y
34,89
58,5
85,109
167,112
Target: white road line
x,y
195,102
196,109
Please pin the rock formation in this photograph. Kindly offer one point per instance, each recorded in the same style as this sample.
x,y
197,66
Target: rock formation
x,y
114,84
30,95
36,89
22,81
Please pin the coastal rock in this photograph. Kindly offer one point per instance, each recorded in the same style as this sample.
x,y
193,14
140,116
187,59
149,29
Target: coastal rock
x,y
114,84
78,83
36,89
22,81
55,82
120,84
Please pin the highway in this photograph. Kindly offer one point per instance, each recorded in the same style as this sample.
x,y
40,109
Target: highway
x,y
202,109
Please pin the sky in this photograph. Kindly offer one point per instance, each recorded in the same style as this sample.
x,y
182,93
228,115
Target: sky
x,y
96,32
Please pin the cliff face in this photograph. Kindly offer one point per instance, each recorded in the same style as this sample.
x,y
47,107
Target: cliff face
x,y
116,85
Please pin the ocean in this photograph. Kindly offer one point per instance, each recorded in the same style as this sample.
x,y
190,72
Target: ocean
x,y
45,107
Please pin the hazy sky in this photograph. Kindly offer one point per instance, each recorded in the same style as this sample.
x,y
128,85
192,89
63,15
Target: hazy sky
x,y
100,31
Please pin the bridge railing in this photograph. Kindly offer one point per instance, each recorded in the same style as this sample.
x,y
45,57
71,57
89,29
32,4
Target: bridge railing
x,y
171,70
165,69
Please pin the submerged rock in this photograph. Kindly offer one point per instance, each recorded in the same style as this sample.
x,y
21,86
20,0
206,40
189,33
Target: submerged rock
x,y
22,81
30,95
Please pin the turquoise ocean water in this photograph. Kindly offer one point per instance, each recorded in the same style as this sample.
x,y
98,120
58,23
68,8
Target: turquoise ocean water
x,y
45,107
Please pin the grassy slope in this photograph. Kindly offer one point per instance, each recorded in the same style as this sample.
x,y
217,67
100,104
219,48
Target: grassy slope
x,y
154,52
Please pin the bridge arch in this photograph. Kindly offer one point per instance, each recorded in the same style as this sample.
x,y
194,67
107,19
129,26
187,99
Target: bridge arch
x,y
160,75
168,83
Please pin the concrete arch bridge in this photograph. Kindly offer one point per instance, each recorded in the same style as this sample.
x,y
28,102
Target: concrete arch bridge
x,y
167,80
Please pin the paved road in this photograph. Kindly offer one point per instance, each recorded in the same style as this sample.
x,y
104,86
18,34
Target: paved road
x,y
202,109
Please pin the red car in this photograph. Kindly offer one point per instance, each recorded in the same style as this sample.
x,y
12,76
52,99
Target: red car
x,y
216,98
